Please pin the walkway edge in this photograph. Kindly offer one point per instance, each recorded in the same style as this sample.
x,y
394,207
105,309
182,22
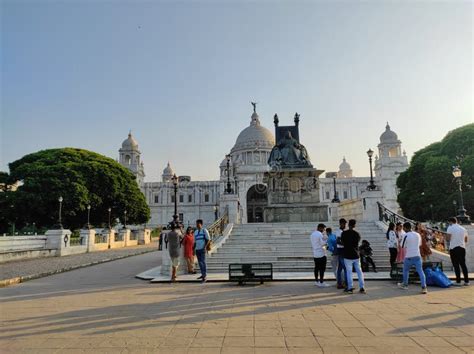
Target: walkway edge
x,y
18,280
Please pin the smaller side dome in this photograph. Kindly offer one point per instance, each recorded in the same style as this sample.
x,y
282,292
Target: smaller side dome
x,y
344,165
345,170
168,170
130,143
388,136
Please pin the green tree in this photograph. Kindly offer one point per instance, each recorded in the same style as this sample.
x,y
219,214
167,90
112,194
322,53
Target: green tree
x,y
429,180
81,177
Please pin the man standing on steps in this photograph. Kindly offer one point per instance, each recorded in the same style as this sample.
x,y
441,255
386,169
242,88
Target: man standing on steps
x,y
318,243
457,237
411,242
201,240
350,239
341,268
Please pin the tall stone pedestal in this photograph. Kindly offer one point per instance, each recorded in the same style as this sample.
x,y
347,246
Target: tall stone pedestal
x,y
293,196
59,239
370,210
230,202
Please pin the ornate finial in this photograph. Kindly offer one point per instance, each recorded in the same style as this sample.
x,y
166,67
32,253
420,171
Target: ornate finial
x,y
254,104
344,158
130,133
387,127
276,120
297,119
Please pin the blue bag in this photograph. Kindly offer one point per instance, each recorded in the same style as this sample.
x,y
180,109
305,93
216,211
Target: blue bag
x,y
429,276
439,278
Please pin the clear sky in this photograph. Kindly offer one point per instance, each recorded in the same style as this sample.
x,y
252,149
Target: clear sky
x,y
181,75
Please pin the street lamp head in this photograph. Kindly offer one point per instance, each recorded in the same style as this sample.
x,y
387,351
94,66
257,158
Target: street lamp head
x,y
457,173
88,207
175,179
370,153
110,209
125,212
227,157
454,202
60,199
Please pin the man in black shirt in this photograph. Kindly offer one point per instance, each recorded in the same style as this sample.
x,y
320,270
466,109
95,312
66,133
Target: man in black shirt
x,y
350,239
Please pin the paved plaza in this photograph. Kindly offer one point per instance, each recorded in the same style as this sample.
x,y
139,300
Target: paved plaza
x,y
104,308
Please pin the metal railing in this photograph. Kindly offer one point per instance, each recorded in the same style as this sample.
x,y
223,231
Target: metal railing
x,y
76,241
99,238
436,238
217,228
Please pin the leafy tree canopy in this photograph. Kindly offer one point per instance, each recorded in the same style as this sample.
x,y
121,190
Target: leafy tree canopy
x,y
82,178
429,180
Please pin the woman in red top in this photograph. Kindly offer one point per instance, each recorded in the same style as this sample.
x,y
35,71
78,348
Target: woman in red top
x,y
188,245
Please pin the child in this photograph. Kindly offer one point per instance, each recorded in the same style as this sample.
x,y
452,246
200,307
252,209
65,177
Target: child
x,y
366,256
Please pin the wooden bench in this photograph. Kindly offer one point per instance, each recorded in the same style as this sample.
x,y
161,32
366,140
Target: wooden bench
x,y
397,272
250,272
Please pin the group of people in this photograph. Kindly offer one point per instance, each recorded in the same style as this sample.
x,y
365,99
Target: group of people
x,y
195,243
405,245
395,235
346,253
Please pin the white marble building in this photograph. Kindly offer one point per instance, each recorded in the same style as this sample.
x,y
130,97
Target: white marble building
x,y
247,164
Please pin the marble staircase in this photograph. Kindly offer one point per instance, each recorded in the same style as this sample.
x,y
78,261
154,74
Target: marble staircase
x,y
287,246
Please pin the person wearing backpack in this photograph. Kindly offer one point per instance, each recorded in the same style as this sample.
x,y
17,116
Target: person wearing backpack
x,y
202,240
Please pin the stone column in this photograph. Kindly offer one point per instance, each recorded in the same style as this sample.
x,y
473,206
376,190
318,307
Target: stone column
x,y
333,212
144,236
58,239
370,211
470,248
88,237
125,233
231,202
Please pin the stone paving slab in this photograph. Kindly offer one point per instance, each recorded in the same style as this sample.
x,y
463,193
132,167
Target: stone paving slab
x,y
104,309
19,271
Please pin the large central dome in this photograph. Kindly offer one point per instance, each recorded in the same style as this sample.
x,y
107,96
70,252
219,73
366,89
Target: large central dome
x,y
254,136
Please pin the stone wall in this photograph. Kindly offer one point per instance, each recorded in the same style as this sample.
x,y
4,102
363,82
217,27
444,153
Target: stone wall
x,y
350,209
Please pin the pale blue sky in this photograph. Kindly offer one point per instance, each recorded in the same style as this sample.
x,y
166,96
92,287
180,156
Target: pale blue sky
x,y
181,76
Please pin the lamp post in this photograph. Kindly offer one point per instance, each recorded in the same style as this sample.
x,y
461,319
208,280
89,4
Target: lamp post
x,y
60,200
462,216
216,210
455,204
175,186
229,186
125,219
89,216
371,185
336,197
110,225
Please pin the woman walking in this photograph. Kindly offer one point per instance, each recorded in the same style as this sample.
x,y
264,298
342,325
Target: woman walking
x,y
392,244
188,245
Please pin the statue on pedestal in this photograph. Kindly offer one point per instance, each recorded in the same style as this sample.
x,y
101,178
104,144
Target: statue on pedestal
x,y
289,153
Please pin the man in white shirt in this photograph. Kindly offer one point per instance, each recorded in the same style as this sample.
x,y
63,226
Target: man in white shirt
x,y
457,237
318,243
411,242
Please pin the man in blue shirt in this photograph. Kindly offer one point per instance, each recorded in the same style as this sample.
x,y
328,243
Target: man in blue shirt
x,y
201,241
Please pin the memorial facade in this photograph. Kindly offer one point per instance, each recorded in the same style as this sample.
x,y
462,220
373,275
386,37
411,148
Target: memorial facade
x,y
245,182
